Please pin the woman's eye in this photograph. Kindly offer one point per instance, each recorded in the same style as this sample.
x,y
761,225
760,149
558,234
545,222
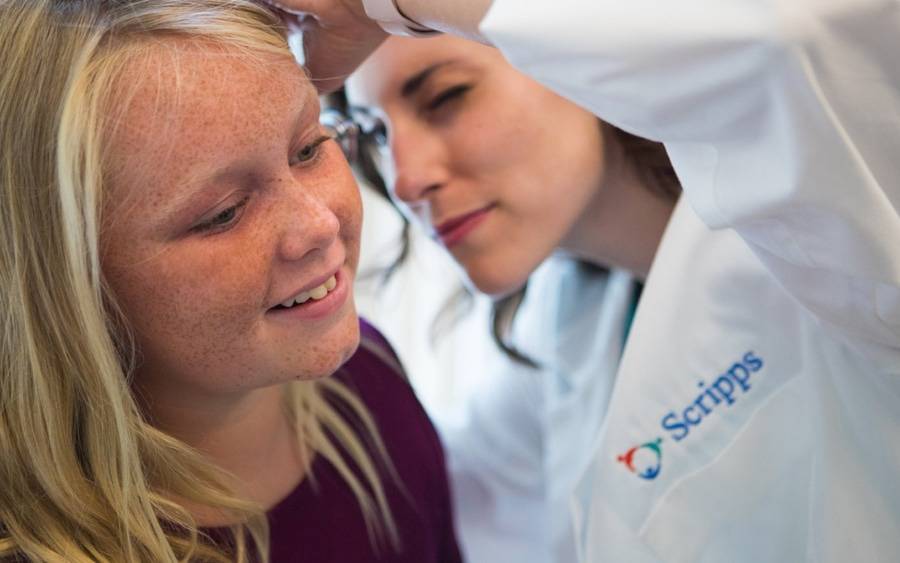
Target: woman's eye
x,y
310,151
448,95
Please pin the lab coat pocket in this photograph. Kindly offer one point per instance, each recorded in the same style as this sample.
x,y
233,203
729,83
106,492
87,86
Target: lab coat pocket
x,y
751,484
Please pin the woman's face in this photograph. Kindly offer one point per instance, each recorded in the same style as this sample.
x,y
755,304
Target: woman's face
x,y
225,203
497,167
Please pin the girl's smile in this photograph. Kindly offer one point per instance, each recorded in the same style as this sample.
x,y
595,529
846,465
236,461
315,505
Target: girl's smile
x,y
318,302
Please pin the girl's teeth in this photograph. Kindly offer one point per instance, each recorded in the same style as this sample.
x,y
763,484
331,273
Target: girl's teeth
x,y
315,293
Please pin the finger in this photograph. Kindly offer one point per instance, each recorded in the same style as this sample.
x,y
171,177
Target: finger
x,y
282,7
327,60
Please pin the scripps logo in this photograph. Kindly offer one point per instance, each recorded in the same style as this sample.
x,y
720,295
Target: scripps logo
x,y
645,460
725,390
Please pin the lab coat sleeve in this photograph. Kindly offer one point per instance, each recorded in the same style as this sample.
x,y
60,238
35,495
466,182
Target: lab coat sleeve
x,y
782,118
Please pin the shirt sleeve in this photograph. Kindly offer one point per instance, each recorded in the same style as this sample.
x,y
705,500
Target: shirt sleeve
x,y
782,118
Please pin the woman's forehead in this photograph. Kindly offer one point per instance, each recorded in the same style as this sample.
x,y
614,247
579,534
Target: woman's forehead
x,y
399,59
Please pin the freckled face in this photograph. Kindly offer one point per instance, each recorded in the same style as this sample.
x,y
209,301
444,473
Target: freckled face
x,y
499,168
225,199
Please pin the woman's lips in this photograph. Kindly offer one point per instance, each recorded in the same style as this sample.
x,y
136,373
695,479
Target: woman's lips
x,y
453,231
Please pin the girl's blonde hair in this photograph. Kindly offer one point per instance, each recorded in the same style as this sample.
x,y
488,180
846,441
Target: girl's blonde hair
x,y
83,476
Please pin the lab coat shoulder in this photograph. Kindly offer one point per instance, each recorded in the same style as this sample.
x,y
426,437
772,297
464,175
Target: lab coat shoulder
x,y
782,120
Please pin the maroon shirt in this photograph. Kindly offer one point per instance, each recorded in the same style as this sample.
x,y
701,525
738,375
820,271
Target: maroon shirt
x,y
324,524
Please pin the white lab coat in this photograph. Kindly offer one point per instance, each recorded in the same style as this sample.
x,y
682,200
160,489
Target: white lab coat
x,y
756,411
511,476
518,453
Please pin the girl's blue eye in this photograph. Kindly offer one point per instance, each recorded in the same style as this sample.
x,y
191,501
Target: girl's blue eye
x,y
223,219
310,151
307,153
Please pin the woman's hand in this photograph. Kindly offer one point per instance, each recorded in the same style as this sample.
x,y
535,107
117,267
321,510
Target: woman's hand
x,y
337,37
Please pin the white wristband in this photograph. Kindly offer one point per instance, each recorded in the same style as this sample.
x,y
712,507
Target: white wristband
x,y
388,15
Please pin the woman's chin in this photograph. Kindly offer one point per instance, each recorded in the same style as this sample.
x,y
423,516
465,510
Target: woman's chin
x,y
495,286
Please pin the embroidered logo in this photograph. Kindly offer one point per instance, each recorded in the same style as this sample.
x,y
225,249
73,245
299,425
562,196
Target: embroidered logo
x,y
726,389
645,460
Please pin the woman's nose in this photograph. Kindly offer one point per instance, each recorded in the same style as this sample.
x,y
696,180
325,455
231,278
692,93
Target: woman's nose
x,y
419,162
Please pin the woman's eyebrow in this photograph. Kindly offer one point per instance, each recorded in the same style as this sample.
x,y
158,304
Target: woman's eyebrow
x,y
411,85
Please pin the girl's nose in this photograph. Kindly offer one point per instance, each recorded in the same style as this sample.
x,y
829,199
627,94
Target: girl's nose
x,y
311,226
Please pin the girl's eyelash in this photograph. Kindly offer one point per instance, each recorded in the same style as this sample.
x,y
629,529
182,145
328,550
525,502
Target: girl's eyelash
x,y
314,147
231,214
227,217
448,95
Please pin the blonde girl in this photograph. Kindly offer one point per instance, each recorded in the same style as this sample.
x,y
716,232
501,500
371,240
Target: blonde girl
x,y
179,241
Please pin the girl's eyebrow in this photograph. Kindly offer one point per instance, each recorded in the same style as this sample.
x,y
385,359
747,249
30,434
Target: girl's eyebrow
x,y
209,180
